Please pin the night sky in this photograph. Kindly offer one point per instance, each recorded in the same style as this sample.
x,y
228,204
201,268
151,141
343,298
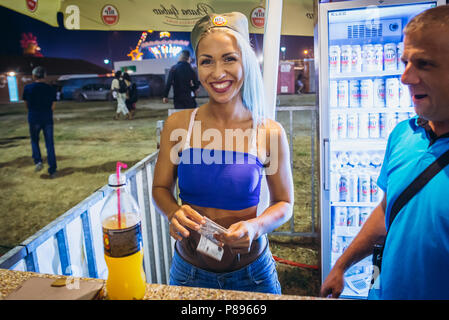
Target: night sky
x,y
95,46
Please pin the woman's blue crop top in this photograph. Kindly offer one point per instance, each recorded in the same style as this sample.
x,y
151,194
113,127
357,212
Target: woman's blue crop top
x,y
221,179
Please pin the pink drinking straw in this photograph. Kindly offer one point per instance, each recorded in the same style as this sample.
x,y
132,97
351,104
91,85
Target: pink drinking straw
x,y
117,170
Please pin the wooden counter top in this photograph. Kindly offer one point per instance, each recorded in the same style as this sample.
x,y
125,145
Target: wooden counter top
x,y
12,280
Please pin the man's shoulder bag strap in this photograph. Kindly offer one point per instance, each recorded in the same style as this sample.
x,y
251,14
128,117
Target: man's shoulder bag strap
x,y
418,184
409,193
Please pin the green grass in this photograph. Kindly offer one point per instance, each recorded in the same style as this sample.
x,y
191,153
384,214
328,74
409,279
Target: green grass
x,y
88,144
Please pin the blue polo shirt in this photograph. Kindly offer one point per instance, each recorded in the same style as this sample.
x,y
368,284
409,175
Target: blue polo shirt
x,y
416,256
39,97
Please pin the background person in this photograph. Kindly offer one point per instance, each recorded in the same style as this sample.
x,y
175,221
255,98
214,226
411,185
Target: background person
x,y
118,88
184,81
299,81
40,103
416,254
131,95
227,193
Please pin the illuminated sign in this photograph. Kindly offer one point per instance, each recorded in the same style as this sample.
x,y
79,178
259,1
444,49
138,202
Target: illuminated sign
x,y
164,34
165,48
13,90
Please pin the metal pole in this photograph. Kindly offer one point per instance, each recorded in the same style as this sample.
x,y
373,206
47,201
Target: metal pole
x,y
312,156
292,220
271,43
271,40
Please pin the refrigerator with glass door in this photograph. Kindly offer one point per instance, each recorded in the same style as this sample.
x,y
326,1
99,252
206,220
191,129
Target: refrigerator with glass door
x,y
361,99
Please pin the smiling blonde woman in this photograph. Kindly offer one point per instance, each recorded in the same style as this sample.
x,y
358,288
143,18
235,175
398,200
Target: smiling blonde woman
x,y
223,149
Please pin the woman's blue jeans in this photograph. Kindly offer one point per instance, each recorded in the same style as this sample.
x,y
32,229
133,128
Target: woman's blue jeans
x,y
259,276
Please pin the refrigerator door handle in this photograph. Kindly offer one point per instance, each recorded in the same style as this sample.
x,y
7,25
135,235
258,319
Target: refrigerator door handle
x,y
326,164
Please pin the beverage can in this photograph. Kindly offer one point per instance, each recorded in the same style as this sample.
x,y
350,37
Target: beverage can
x,y
378,57
353,181
336,243
342,126
353,126
365,159
405,100
392,93
353,216
364,187
334,59
391,121
346,58
335,182
376,160
368,55
363,125
374,189
334,164
364,214
333,94
373,125
367,93
356,63
390,56
334,125
343,187
343,93
343,158
341,216
379,93
399,52
346,241
354,93
383,125
354,159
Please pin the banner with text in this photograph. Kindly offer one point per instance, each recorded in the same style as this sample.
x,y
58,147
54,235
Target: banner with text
x,y
161,15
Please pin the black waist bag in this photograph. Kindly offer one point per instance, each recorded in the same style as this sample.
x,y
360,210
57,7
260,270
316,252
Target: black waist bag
x,y
403,198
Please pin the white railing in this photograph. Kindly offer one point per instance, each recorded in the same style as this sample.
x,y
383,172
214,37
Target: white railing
x,y
289,128
73,244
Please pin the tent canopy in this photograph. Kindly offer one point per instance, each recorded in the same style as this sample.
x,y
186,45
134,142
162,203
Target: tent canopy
x,y
173,15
